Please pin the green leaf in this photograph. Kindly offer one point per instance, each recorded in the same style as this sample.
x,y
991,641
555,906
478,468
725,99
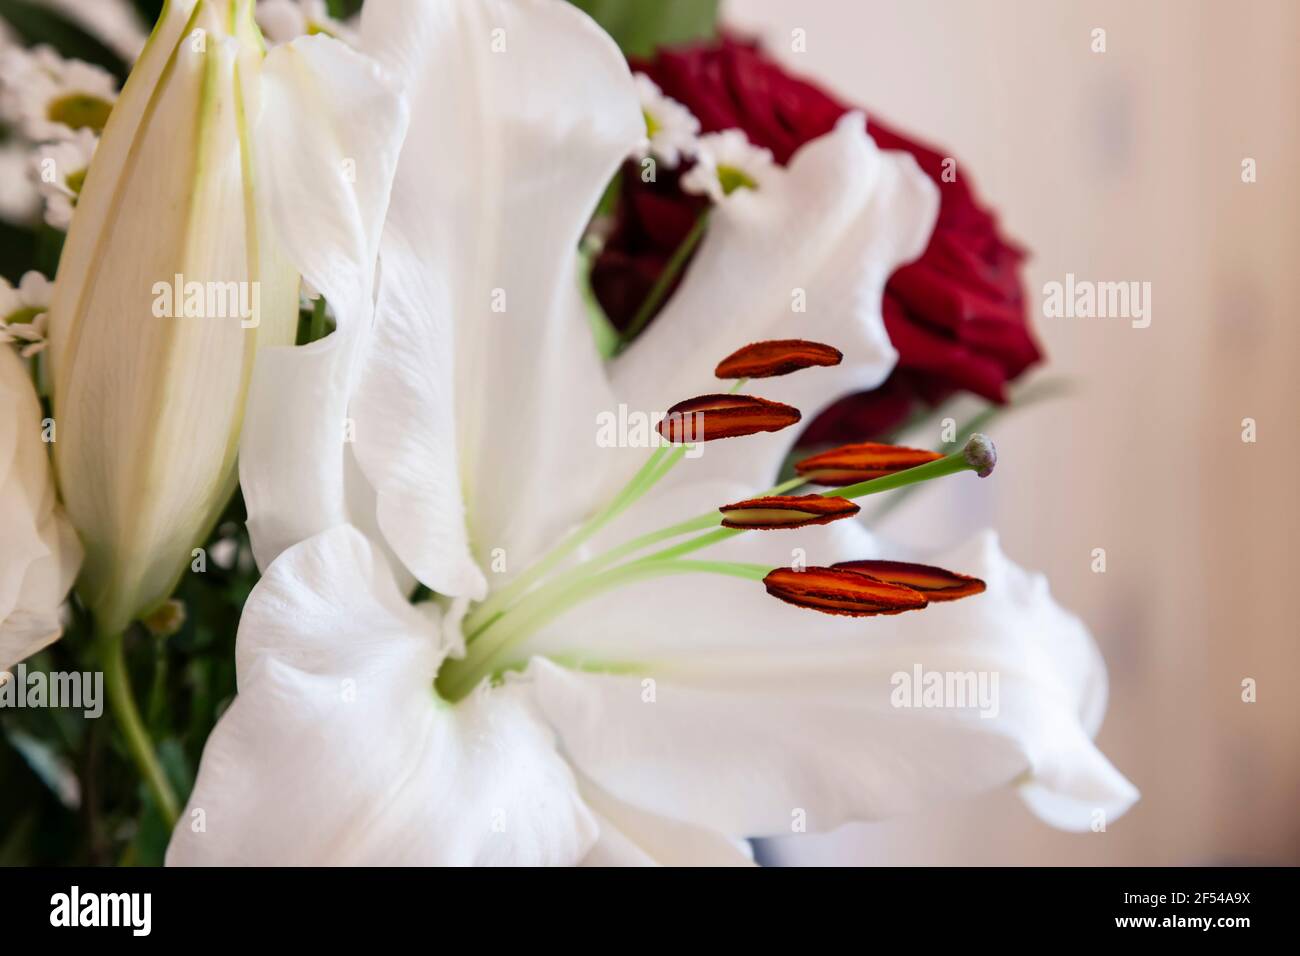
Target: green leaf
x,y
49,765
639,26
38,24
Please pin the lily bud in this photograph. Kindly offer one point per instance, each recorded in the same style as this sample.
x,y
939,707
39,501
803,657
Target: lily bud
x,y
169,283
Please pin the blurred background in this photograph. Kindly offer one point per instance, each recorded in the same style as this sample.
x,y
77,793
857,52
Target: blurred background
x,y
1123,165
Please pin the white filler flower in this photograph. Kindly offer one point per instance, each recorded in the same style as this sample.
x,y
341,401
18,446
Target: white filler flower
x,y
671,130
50,98
23,312
726,161
59,170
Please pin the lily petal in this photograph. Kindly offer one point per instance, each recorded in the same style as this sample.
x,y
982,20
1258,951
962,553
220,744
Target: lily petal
x,y
336,750
521,111
41,553
631,837
760,710
328,134
830,230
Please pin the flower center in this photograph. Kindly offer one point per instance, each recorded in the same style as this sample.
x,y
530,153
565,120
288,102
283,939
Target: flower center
x,y
76,180
495,629
23,316
732,178
79,111
652,126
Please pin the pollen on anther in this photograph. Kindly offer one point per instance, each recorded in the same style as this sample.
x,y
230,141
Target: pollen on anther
x,y
850,464
841,591
776,357
710,417
786,511
937,584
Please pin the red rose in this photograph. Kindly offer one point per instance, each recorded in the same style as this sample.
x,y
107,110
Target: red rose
x,y
957,316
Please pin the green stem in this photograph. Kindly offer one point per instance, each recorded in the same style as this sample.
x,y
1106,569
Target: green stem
x,y
477,623
458,677
317,328
660,463
659,290
122,703
950,465
1023,398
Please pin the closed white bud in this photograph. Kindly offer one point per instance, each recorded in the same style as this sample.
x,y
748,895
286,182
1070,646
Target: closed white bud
x,y
169,283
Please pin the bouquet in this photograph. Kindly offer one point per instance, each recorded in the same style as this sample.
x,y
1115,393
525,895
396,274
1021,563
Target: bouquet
x,y
436,433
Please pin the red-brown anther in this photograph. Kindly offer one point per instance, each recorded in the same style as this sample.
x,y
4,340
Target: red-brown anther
x,y
841,591
786,511
937,584
776,357
849,464
710,417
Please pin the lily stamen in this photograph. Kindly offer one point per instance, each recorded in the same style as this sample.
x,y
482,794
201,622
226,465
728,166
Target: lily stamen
x,y
841,591
786,511
776,357
937,584
711,417
850,464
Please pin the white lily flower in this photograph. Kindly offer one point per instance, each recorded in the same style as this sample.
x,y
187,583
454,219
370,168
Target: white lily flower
x,y
643,714
59,170
40,555
182,265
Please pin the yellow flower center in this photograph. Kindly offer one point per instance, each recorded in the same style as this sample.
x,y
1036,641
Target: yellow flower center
x,y
79,111
732,179
23,316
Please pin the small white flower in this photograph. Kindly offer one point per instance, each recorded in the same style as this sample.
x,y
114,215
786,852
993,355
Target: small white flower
x,y
59,170
23,311
284,20
672,131
19,201
51,98
726,162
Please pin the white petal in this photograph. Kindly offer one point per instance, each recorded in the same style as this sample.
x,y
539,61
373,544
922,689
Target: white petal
x,y
831,229
521,111
149,403
328,135
336,750
40,555
631,837
779,710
